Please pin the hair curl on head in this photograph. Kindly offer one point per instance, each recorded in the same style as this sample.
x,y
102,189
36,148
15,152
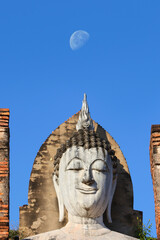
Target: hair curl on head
x,y
87,139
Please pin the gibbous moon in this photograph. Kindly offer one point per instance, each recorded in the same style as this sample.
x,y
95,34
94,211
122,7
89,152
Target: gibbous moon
x,y
78,39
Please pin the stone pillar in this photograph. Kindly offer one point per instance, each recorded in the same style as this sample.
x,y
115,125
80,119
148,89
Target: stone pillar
x,y
4,173
155,171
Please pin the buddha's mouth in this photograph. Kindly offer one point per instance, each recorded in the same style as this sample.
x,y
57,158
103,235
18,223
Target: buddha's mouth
x,y
87,190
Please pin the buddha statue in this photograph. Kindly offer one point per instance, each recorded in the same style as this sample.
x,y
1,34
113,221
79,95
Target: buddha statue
x,y
84,179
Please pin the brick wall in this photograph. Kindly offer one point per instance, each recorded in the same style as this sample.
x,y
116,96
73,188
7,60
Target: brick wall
x,y
4,173
155,171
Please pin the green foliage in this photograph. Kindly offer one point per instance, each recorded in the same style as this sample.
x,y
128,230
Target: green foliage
x,y
143,232
13,233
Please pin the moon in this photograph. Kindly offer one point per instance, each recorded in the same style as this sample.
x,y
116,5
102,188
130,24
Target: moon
x,y
78,39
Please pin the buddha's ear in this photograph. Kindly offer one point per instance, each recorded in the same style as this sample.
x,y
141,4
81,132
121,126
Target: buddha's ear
x,y
59,196
113,188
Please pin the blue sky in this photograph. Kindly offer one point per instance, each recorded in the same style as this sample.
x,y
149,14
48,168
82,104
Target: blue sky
x,y
42,80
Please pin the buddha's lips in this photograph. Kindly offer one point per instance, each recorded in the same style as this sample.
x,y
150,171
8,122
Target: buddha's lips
x,y
87,190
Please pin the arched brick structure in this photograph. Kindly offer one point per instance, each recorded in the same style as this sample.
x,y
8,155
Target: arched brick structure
x,y
41,213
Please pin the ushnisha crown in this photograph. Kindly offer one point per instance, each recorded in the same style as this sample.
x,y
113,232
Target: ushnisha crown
x,y
86,137
85,121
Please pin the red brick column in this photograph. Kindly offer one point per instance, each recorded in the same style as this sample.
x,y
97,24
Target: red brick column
x,y
155,171
4,173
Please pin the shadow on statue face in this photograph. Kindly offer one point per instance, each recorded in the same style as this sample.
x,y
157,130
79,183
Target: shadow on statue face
x,y
85,181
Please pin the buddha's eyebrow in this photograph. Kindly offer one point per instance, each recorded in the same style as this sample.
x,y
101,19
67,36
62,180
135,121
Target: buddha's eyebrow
x,y
100,159
73,159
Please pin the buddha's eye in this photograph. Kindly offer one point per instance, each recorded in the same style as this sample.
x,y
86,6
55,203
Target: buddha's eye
x,y
75,164
100,166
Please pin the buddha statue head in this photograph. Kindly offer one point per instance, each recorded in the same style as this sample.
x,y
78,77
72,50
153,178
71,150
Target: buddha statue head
x,y
85,172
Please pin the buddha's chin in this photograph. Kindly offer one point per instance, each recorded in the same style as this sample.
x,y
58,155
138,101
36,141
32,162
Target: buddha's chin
x,y
87,213
87,209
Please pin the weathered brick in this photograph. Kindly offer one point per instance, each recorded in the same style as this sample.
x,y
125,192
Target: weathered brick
x,y
155,171
4,173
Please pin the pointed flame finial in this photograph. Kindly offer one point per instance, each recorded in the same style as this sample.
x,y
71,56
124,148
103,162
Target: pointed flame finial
x,y
85,121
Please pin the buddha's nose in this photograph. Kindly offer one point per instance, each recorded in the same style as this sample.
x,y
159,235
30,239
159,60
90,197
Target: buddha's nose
x,y
87,177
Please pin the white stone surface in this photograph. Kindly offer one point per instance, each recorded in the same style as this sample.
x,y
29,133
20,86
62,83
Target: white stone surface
x,y
85,181
88,230
85,187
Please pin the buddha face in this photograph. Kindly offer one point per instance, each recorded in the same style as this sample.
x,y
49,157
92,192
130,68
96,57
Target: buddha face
x,y
85,181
